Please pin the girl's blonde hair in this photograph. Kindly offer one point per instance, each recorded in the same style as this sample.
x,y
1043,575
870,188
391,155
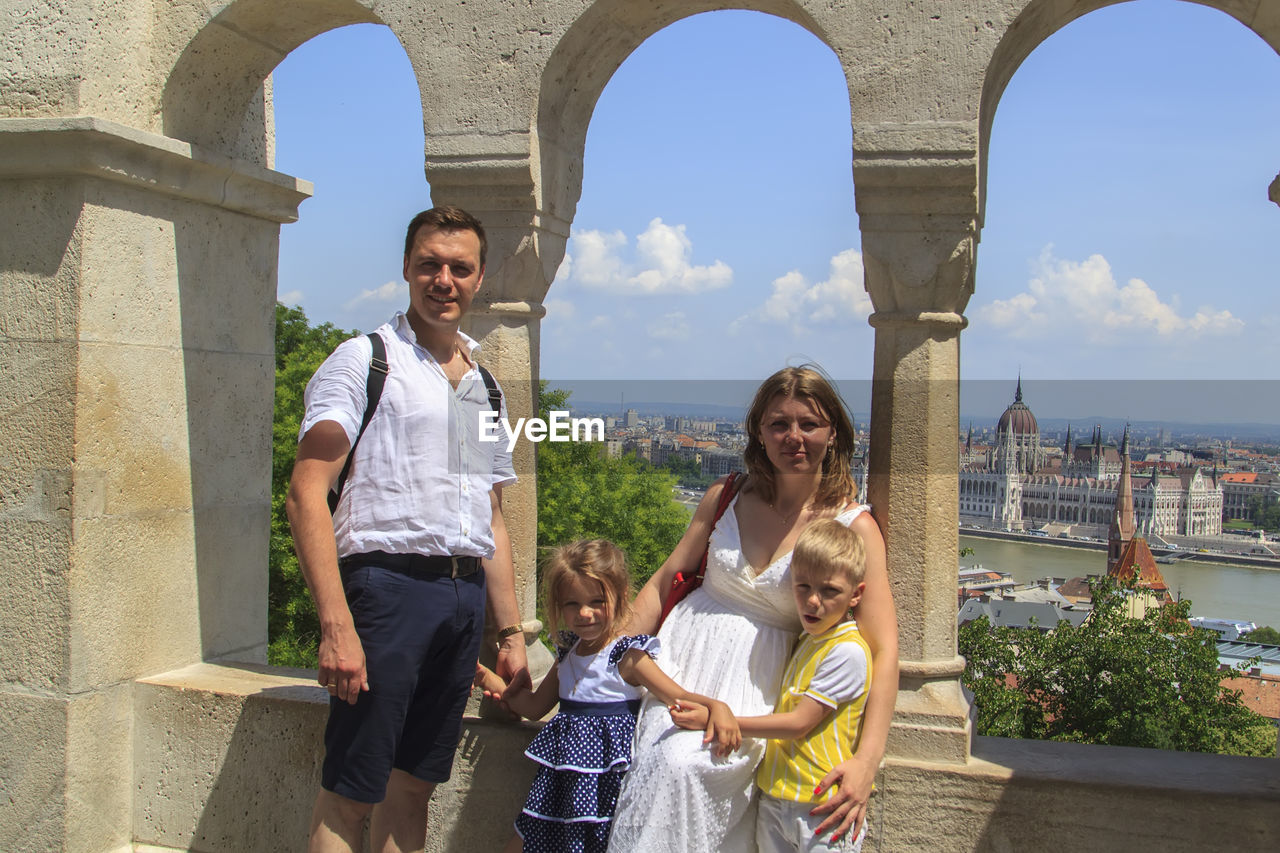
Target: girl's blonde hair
x,y
595,559
808,383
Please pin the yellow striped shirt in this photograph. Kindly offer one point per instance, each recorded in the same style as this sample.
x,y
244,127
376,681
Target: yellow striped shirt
x,y
791,769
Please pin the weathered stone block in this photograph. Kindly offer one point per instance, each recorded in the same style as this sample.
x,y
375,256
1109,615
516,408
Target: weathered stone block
x,y
33,736
131,425
135,605
35,629
40,248
129,276
231,544
226,759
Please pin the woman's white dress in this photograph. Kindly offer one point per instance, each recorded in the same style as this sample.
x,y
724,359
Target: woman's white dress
x,y
730,639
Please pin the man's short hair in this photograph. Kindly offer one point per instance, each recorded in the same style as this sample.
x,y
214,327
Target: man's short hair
x,y
446,218
827,545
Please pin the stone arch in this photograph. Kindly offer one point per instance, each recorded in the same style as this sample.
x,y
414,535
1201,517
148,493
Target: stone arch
x,y
590,51
1040,19
213,95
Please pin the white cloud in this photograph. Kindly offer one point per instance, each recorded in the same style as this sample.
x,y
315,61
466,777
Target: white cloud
x,y
293,297
559,310
1085,298
662,262
670,327
396,292
840,298
594,260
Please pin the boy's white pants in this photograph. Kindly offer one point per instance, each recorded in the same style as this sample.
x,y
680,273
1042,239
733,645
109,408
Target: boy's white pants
x,y
783,826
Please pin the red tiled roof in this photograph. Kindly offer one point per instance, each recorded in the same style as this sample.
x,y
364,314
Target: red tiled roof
x,y
1136,553
1259,694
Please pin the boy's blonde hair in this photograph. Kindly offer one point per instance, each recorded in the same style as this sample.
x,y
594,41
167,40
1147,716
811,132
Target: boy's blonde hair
x,y
596,559
828,544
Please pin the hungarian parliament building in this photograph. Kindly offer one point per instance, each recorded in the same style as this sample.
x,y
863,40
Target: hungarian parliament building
x,y
1017,485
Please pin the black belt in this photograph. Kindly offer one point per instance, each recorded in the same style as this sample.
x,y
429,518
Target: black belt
x,y
414,564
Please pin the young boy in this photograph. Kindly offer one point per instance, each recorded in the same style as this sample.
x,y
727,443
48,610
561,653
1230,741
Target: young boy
x,y
816,722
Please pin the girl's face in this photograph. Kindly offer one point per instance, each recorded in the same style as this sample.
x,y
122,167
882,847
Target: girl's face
x,y
795,435
585,610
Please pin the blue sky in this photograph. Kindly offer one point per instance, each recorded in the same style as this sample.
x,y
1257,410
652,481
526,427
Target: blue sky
x,y
1128,233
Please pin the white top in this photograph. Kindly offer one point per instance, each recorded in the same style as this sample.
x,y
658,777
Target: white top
x,y
594,678
420,479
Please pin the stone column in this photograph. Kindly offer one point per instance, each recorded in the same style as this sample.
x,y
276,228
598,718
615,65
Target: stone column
x,y
526,246
137,288
917,211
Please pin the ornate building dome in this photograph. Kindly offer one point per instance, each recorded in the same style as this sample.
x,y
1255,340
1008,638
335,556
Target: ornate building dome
x,y
1018,418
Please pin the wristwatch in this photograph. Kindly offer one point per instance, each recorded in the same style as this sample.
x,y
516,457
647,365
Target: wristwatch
x,y
517,628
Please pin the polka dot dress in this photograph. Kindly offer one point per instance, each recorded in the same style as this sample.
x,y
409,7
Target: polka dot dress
x,y
584,751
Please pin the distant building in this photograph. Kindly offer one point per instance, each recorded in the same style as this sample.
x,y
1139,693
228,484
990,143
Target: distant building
x,y
1226,629
718,463
1239,488
1020,614
1016,485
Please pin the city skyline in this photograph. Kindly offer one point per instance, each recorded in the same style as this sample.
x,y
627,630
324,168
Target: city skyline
x,y
1127,228
1245,408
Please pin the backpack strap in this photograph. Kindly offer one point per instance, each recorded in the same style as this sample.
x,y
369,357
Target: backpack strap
x,y
378,370
495,396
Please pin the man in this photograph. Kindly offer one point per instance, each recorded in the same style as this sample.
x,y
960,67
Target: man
x,y
399,572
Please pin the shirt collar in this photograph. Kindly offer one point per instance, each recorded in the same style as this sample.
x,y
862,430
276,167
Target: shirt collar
x,y
400,325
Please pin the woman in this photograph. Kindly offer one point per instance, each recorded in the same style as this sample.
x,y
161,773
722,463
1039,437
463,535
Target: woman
x,y
731,638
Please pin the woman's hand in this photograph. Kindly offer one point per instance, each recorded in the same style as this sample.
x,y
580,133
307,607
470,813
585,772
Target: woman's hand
x,y
846,807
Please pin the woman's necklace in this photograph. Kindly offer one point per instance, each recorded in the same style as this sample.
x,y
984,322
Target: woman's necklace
x,y
788,518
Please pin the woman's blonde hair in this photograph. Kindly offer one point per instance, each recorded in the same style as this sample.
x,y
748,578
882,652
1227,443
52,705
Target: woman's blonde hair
x,y
595,559
806,382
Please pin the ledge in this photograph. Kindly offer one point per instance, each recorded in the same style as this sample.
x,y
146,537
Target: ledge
x,y
226,758
88,147
1125,766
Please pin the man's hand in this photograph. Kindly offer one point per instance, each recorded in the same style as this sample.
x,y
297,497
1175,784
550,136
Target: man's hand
x,y
513,666
846,808
342,669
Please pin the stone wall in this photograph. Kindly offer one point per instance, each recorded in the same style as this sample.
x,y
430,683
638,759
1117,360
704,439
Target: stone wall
x,y
139,226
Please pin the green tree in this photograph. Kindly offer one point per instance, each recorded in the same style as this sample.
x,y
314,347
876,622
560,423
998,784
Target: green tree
x,y
292,627
1118,680
1265,512
584,494
1266,634
687,471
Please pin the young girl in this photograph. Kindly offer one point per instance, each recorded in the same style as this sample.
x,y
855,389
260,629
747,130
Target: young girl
x,y
586,747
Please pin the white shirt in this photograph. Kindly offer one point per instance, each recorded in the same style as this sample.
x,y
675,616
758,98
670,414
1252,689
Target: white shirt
x,y
420,479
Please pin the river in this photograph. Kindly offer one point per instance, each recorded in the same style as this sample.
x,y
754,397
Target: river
x,y
1216,590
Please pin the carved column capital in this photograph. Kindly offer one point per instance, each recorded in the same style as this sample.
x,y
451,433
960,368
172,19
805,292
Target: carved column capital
x,y
917,198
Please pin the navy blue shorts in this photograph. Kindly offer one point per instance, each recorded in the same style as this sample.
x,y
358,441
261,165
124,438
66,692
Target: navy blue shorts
x,y
421,634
